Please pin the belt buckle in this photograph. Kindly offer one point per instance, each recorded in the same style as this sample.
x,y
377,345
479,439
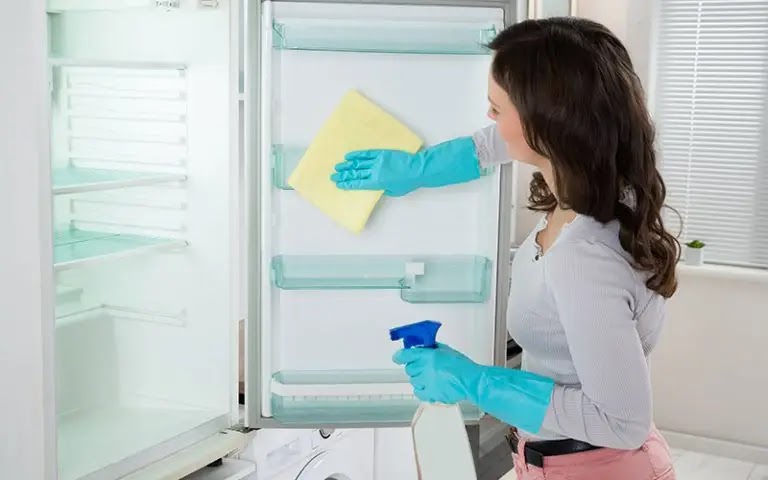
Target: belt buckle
x,y
533,457
512,440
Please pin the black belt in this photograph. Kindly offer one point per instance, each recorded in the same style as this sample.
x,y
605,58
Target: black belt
x,y
536,451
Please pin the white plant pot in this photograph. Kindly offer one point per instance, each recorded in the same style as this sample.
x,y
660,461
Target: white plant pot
x,y
694,256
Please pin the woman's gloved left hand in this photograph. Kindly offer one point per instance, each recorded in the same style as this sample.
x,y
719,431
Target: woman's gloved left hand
x,y
443,375
398,173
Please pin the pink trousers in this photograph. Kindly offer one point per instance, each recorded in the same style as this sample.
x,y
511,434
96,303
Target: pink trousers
x,y
651,461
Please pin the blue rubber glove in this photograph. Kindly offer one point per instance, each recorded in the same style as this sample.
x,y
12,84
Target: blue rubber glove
x,y
398,172
444,375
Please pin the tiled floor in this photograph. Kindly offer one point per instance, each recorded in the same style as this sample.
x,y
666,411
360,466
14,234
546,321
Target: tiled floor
x,y
688,465
700,466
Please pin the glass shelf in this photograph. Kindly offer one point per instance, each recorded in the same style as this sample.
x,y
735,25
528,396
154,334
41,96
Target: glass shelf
x,y
420,279
347,397
72,246
285,159
56,6
382,37
69,180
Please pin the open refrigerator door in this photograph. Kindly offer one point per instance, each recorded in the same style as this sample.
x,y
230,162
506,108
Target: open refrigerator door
x,y
321,299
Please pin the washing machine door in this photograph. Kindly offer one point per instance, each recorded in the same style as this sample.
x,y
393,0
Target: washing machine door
x,y
331,465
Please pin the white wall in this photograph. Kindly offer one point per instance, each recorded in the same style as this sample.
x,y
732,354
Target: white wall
x,y
26,410
710,371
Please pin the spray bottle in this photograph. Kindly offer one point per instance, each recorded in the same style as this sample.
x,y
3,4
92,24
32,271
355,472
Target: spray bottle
x,y
440,441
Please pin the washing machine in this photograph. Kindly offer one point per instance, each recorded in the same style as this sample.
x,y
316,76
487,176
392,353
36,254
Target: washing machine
x,y
344,454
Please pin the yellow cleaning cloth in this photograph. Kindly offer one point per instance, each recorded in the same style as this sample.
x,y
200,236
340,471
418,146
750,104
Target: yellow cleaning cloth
x,y
355,124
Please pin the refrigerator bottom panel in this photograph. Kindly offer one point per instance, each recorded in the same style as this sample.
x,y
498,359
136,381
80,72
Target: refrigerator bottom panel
x,y
114,438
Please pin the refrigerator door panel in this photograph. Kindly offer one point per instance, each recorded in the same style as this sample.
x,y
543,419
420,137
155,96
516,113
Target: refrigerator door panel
x,y
320,299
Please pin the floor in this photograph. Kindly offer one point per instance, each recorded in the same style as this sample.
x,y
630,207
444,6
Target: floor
x,y
689,466
495,464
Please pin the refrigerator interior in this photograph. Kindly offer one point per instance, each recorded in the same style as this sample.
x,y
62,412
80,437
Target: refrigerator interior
x,y
329,297
143,195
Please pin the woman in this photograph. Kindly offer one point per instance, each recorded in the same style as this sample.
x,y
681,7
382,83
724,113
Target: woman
x,y
590,282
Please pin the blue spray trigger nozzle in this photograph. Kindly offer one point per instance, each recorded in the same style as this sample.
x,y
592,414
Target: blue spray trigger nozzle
x,y
419,334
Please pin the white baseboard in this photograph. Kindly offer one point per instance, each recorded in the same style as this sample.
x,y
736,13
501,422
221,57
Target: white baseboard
x,y
713,446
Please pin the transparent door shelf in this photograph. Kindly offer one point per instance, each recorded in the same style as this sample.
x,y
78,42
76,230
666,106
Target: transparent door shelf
x,y
72,246
346,397
285,159
382,37
420,279
77,180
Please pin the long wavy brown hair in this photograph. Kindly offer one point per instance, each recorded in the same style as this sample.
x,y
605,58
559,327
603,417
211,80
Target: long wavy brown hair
x,y
583,107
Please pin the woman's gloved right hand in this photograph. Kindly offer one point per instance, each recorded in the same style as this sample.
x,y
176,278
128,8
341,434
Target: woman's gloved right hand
x,y
445,375
398,173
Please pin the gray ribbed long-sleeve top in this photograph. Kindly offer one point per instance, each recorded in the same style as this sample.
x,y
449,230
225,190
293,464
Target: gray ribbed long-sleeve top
x,y
584,318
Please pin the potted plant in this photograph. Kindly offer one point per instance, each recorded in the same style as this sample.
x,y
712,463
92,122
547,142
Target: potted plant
x,y
694,252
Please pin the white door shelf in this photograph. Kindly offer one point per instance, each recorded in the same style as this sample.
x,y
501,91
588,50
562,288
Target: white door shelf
x,y
72,179
420,279
409,37
73,247
285,159
346,397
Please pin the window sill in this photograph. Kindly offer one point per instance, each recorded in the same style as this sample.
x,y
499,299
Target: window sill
x,y
722,272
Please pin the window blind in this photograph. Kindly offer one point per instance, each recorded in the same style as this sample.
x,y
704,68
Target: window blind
x,y
711,115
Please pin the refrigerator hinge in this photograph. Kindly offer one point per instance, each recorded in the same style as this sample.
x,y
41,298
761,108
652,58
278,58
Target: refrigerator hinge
x,y
240,428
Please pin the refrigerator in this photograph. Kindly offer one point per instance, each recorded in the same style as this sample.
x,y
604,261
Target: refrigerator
x,y
174,125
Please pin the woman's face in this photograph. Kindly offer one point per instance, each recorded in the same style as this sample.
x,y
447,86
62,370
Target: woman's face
x,y
509,126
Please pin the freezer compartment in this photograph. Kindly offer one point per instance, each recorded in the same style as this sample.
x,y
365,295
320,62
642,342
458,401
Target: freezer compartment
x,y
286,158
346,397
420,279
412,37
